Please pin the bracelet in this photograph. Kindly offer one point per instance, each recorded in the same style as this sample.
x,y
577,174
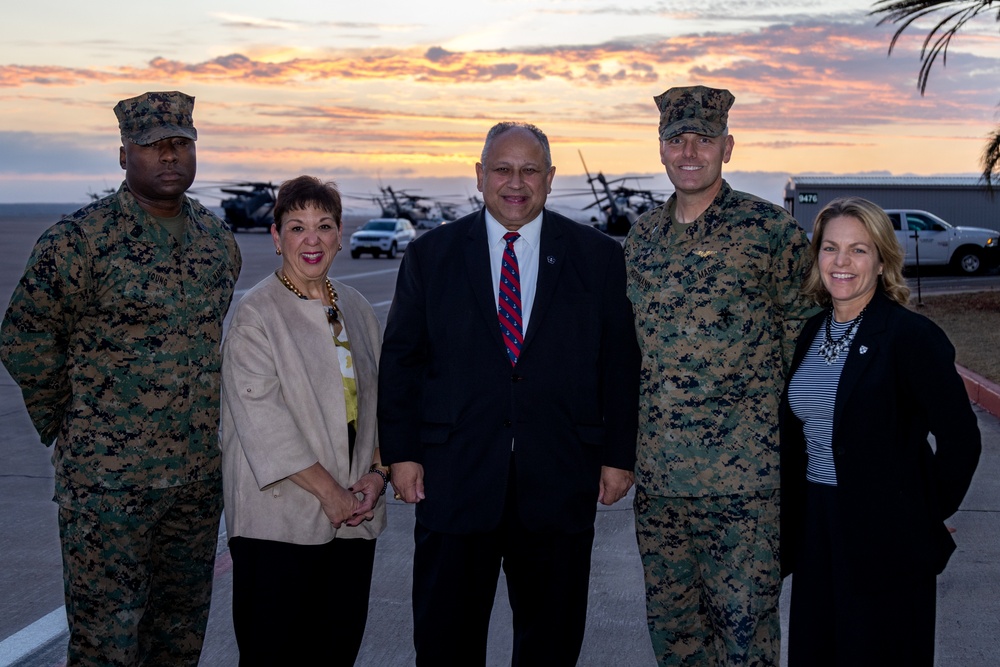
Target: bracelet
x,y
385,470
385,478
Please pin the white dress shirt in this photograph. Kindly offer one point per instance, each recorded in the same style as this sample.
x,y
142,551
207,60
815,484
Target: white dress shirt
x,y
526,249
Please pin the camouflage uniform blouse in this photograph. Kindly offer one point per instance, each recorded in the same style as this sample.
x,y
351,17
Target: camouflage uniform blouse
x,y
717,310
113,336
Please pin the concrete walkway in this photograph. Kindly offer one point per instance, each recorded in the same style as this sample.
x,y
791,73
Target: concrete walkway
x,y
968,592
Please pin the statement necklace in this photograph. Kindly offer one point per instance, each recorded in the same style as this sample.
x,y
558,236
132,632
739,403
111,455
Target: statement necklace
x,y
830,349
332,311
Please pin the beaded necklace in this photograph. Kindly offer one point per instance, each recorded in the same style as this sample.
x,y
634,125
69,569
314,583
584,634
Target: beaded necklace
x,y
332,311
830,349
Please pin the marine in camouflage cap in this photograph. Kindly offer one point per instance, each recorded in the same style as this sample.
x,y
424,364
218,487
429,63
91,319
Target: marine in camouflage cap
x,y
696,109
153,116
113,336
714,277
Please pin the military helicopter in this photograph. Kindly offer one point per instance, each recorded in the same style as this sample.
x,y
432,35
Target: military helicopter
x,y
424,213
449,211
251,206
621,205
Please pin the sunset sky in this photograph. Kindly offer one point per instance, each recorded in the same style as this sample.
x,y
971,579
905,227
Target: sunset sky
x,y
402,93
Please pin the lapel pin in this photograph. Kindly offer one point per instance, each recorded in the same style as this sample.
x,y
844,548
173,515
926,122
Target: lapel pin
x,y
863,349
551,259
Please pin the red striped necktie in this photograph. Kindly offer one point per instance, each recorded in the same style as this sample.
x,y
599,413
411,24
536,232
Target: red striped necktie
x,y
509,302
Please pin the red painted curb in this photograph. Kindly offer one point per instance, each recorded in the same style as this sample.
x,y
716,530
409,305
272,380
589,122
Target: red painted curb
x,y
982,392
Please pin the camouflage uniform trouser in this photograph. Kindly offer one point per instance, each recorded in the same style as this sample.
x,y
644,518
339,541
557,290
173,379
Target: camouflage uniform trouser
x,y
137,572
712,578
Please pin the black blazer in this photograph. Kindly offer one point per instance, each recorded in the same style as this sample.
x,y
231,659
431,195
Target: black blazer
x,y
449,398
894,491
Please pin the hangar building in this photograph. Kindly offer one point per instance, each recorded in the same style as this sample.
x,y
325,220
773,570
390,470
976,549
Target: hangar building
x,y
960,200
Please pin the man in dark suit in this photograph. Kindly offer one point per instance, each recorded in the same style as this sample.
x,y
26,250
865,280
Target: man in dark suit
x,y
508,392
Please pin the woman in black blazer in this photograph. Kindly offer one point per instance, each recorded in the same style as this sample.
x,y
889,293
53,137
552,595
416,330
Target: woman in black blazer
x,y
864,494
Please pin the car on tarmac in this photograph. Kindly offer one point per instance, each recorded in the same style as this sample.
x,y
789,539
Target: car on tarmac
x,y
923,235
382,235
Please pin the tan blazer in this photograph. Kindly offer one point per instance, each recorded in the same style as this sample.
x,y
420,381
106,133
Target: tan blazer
x,y
283,410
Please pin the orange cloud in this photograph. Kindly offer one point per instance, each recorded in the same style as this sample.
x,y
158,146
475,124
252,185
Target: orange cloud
x,y
807,94
433,66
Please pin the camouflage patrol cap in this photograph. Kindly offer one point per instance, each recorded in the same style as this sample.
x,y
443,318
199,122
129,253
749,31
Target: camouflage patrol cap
x,y
150,117
697,109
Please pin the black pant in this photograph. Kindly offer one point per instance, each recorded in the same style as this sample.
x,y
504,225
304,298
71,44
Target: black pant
x,y
838,619
299,604
455,581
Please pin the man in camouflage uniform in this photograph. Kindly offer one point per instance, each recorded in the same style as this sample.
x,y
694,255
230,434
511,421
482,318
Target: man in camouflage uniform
x,y
113,336
713,276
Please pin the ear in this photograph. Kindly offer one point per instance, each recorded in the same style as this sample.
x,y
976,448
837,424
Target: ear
x,y
728,150
121,156
663,152
480,176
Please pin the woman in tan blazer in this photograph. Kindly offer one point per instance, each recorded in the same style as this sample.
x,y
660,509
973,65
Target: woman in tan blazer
x,y
302,474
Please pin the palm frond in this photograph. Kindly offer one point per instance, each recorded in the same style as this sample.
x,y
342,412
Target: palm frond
x,y
905,12
991,160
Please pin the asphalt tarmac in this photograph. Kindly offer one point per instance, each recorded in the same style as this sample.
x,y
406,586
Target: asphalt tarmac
x,y
32,620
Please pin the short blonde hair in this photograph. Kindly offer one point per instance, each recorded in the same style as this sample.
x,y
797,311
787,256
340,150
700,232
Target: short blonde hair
x,y
879,227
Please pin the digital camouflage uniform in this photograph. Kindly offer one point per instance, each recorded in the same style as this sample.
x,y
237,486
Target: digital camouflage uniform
x,y
113,336
717,310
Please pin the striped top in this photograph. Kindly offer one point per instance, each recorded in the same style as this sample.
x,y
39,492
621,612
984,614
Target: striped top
x,y
812,394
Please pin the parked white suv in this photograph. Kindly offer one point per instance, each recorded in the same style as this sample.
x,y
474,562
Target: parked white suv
x,y
969,250
382,235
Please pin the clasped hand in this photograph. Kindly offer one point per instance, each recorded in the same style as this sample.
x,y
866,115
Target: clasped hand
x,y
615,483
369,487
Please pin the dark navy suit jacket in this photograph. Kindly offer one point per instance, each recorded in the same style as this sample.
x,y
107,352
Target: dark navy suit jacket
x,y
894,491
450,399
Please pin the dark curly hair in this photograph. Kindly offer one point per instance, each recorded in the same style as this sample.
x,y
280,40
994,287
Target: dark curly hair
x,y
304,191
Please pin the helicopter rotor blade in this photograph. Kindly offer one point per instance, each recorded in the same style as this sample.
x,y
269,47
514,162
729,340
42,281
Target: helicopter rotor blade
x,y
590,181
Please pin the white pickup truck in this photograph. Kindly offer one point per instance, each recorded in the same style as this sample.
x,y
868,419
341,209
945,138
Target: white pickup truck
x,y
969,250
